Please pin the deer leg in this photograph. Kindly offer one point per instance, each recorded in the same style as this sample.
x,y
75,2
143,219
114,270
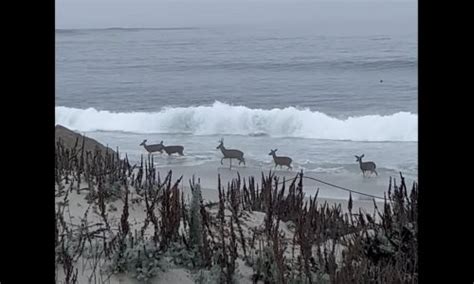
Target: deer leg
x,y
230,163
222,160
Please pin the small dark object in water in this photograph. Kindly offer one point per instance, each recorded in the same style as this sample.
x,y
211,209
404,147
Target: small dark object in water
x,y
381,81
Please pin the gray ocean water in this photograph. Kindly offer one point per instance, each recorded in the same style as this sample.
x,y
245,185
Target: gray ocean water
x,y
319,98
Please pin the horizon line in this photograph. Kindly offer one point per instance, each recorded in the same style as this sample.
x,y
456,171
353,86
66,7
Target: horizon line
x,y
128,28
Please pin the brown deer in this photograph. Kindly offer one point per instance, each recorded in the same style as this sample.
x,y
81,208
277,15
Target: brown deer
x,y
151,148
280,160
366,166
230,154
171,149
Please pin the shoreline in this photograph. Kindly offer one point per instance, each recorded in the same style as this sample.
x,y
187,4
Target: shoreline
x,y
141,227
209,173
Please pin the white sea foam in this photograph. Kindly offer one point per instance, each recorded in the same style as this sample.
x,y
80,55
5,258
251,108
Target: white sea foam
x,y
224,119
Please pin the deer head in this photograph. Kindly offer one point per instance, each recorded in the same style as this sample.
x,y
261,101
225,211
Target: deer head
x,y
143,143
272,152
359,159
221,144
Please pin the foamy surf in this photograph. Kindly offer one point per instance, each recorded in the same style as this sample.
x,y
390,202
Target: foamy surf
x,y
224,119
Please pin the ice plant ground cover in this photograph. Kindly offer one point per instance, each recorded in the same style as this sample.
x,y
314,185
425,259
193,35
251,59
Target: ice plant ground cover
x,y
121,222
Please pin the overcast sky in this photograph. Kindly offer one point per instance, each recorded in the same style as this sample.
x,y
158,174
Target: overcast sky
x,y
394,15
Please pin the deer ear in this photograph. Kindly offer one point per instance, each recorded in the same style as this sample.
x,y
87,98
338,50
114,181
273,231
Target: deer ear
x,y
362,156
276,150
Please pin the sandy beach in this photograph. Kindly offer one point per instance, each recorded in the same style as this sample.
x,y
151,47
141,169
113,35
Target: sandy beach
x,y
78,205
82,209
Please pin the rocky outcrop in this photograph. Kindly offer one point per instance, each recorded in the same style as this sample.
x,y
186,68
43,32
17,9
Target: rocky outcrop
x,y
68,138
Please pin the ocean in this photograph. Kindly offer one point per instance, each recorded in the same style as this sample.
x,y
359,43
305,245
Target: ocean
x,y
319,98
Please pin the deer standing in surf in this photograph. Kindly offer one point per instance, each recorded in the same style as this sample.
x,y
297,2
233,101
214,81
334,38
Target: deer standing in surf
x,y
280,160
366,166
172,149
160,148
151,148
230,154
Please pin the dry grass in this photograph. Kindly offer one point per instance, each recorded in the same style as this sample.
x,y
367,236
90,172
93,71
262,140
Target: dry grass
x,y
320,244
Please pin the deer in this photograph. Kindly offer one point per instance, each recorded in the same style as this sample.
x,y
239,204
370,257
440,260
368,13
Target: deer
x,y
151,148
171,149
230,154
280,160
366,166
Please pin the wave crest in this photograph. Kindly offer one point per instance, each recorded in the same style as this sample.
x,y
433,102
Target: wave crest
x,y
224,119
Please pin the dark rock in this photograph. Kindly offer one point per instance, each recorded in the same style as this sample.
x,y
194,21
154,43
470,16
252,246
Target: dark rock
x,y
68,138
